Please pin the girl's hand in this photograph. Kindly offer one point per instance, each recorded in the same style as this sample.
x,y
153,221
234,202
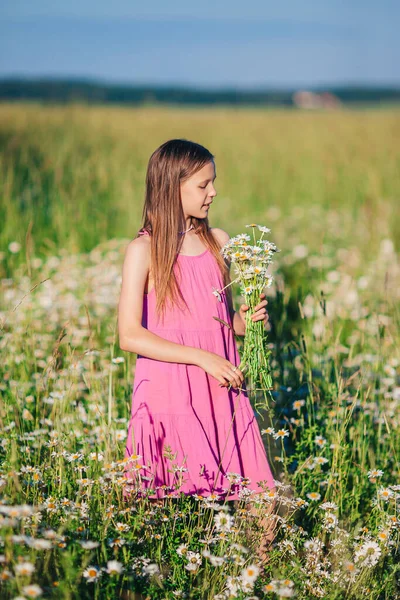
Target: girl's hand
x,y
259,314
220,368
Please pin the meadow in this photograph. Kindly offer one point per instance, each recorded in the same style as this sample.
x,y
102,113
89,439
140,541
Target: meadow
x,y
327,184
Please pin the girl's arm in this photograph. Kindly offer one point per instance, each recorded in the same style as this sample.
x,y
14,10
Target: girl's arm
x,y
133,337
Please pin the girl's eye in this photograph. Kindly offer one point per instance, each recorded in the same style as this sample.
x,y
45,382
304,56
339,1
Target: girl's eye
x,y
203,187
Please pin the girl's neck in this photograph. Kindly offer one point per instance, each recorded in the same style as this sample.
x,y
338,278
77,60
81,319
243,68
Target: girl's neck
x,y
189,228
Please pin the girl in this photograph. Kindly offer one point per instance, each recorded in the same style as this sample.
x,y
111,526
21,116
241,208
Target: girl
x,y
187,426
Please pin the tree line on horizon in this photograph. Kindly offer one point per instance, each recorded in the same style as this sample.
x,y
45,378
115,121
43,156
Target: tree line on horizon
x,y
80,90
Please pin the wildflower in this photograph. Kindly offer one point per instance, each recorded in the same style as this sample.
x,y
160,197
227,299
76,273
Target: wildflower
x,y
285,592
271,586
91,574
300,502
23,510
320,441
194,559
314,545
114,567
368,555
383,536
234,585
14,247
178,469
74,456
223,521
385,493
320,460
25,568
32,591
297,404
213,496
314,495
96,456
182,550
350,567
329,506
117,542
287,545
300,251
270,495
89,545
268,431
374,474
330,521
5,575
283,588
239,256
282,433
248,289
27,415
216,561
40,544
239,547
134,457
150,569
250,573
234,477
393,521
199,497
118,359
269,282
120,435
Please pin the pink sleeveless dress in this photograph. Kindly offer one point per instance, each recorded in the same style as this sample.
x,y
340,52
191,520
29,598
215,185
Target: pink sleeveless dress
x,y
211,432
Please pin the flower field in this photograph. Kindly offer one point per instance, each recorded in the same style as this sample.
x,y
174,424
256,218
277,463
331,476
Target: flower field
x,y
327,185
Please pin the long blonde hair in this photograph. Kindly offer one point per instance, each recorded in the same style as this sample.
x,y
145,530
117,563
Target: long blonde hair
x,y
163,217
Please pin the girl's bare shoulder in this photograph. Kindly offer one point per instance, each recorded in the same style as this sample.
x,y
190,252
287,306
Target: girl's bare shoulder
x,y
221,236
138,249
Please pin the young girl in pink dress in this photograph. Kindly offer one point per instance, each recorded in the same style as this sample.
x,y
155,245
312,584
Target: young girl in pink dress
x,y
189,429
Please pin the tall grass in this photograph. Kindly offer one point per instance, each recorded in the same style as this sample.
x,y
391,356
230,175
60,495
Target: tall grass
x,y
74,176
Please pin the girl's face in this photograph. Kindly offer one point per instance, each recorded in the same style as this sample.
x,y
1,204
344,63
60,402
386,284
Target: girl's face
x,y
198,192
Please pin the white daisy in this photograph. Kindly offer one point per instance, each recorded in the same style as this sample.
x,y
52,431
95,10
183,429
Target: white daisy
x,y
223,521
182,550
368,555
281,433
114,567
385,493
250,573
32,591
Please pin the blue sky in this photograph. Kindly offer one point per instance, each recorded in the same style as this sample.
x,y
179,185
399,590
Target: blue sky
x,y
220,43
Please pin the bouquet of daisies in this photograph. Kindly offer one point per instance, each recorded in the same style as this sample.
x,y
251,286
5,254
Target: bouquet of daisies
x,y
251,261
